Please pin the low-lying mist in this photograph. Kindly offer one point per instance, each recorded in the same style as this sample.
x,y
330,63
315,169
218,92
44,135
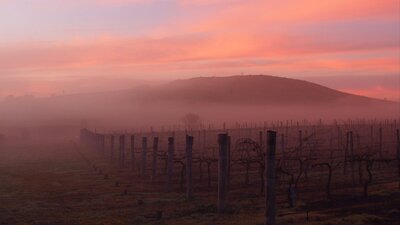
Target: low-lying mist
x,y
166,106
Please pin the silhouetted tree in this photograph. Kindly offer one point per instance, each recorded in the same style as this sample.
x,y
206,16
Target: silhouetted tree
x,y
191,121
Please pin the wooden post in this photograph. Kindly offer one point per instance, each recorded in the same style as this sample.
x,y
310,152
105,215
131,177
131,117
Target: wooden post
x,y
204,138
283,145
133,152
229,161
170,164
331,147
155,152
300,143
112,148
121,151
144,157
346,153
97,142
222,172
353,179
398,153
102,143
380,143
189,177
372,137
199,139
270,196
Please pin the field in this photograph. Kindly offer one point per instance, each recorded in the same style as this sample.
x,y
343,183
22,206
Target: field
x,y
95,181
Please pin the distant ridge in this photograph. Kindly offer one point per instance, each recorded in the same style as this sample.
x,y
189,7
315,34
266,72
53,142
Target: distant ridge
x,y
251,89
215,99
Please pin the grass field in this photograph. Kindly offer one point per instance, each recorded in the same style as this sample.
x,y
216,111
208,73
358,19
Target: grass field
x,y
52,184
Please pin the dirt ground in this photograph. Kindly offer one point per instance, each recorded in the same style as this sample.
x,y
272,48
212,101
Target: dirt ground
x,y
52,184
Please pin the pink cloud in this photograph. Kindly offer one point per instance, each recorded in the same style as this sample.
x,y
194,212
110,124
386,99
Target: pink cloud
x,y
113,51
258,14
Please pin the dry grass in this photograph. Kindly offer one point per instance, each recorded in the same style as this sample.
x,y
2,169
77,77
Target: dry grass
x,y
50,184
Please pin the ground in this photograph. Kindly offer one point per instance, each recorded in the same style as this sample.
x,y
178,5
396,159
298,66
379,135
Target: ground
x,y
52,184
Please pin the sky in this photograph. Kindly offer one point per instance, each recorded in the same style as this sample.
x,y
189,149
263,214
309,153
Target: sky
x,y
53,47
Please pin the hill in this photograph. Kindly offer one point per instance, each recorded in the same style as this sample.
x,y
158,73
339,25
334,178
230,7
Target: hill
x,y
214,99
254,90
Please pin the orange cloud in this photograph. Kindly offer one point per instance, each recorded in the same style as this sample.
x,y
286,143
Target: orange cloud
x,y
247,16
113,51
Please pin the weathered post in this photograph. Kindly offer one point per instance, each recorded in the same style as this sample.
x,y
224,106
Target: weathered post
x,y
229,161
189,176
122,150
353,179
300,142
283,146
170,164
112,148
270,197
97,138
372,136
380,143
346,153
398,153
133,153
199,139
204,138
155,152
102,143
222,172
144,157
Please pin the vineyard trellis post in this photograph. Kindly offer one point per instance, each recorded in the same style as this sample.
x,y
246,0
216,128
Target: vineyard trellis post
x,y
346,152
353,179
229,160
144,157
340,138
222,172
189,175
283,146
380,143
170,164
398,153
112,148
133,152
372,136
300,142
270,173
121,150
204,138
154,163
102,144
97,138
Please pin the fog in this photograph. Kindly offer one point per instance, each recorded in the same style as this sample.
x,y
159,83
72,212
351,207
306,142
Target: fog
x,y
164,106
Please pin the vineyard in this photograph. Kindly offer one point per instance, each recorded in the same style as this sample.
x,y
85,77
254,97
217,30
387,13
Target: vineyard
x,y
297,166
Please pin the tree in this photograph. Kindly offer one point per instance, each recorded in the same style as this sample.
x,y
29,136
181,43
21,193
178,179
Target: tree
x,y
191,121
